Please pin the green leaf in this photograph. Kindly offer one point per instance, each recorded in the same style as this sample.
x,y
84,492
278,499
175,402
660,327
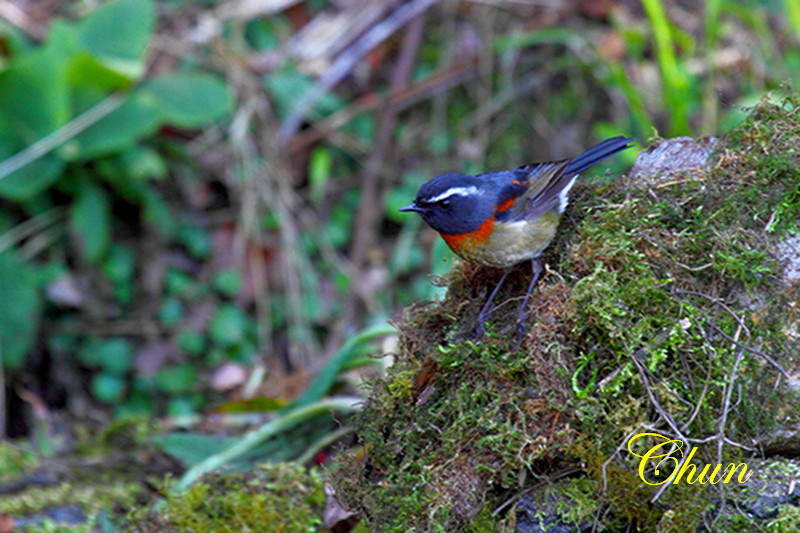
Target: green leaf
x,y
330,372
171,312
31,179
228,282
15,42
34,102
192,448
142,163
19,314
120,264
90,221
113,355
192,342
107,387
197,241
229,326
189,100
137,405
243,445
176,379
181,406
118,34
83,69
157,213
121,129
178,283
87,72
34,96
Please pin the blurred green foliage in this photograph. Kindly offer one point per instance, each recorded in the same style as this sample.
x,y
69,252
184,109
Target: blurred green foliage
x,y
79,133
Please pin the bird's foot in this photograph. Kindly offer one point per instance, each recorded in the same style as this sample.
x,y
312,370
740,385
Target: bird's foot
x,y
521,330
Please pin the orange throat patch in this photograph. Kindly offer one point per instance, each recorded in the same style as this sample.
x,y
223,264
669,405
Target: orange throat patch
x,y
473,239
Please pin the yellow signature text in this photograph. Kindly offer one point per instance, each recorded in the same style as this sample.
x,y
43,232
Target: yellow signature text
x,y
667,457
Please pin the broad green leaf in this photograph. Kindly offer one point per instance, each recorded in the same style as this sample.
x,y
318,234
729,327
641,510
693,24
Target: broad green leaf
x,y
119,265
228,327
31,179
34,96
192,448
108,388
179,283
182,406
190,100
19,314
142,163
115,356
138,404
15,42
191,342
247,443
85,70
118,34
258,404
330,372
171,312
121,129
197,241
228,282
81,68
157,213
176,379
90,221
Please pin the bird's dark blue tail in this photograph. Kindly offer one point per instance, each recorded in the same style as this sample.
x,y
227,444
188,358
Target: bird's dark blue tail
x,y
597,153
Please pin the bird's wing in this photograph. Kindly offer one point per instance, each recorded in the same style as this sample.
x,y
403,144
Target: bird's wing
x,y
533,190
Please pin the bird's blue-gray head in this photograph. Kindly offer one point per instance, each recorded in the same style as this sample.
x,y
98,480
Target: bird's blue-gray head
x,y
454,203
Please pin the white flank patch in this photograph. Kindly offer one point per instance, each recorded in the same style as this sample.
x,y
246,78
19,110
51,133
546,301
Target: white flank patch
x,y
454,191
563,196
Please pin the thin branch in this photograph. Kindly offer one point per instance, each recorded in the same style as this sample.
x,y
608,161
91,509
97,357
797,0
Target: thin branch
x,y
66,132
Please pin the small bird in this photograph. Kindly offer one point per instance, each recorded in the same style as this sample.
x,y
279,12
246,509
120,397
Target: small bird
x,y
501,219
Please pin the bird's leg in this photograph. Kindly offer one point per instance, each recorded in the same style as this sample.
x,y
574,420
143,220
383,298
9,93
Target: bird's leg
x,y
536,266
487,309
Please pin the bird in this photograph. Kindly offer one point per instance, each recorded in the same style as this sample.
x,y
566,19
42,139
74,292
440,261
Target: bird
x,y
501,219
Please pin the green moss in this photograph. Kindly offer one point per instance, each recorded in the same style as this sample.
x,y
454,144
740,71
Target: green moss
x,y
35,489
91,498
14,460
788,520
285,496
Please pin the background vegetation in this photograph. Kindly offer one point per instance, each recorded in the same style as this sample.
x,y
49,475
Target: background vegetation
x,y
198,200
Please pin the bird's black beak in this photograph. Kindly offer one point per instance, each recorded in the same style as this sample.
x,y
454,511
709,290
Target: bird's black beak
x,y
412,207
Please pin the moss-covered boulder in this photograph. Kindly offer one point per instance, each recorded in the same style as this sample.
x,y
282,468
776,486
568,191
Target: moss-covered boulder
x,y
280,497
664,309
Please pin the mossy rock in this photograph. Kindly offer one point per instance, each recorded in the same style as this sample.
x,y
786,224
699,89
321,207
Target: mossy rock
x,y
664,309
279,497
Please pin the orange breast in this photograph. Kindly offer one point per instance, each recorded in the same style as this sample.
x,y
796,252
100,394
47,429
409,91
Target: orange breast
x,y
465,241
503,244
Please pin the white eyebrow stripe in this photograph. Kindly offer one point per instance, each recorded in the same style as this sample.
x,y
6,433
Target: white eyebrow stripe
x,y
453,191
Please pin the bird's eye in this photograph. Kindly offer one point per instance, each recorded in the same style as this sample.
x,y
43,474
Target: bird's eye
x,y
445,202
